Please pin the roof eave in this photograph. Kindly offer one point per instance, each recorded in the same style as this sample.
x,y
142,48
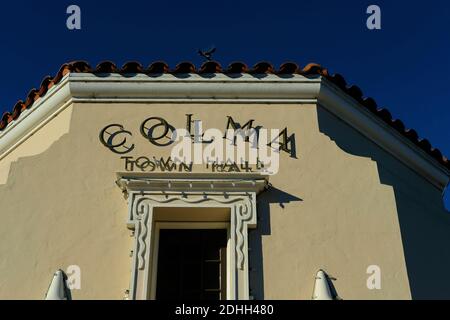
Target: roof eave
x,y
371,126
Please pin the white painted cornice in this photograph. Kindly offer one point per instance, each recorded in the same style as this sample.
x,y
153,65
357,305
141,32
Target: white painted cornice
x,y
191,182
194,88
220,88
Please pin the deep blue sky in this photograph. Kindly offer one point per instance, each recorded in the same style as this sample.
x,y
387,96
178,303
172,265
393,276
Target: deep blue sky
x,y
405,66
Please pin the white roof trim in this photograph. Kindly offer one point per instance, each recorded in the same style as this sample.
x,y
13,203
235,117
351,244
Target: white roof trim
x,y
191,182
347,109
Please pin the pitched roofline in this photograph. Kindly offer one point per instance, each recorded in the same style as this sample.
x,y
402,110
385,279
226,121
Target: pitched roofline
x,y
381,133
298,85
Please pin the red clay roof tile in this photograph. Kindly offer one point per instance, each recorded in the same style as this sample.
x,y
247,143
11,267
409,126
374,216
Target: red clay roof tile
x,y
158,67
288,68
237,67
210,67
262,68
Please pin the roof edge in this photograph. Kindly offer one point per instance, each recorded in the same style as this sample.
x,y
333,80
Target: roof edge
x,y
381,133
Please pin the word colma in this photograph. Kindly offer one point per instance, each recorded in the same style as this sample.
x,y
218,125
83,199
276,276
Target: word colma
x,y
160,133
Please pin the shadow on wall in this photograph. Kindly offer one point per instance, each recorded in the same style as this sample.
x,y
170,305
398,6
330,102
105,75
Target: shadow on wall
x,y
272,195
424,222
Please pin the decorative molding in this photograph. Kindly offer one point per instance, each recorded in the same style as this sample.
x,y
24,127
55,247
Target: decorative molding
x,y
144,198
244,213
186,198
166,182
142,234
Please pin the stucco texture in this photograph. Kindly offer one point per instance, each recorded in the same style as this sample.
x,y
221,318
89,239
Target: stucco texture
x,y
340,203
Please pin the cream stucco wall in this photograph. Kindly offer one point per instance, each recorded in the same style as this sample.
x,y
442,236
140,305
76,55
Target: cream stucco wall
x,y
342,205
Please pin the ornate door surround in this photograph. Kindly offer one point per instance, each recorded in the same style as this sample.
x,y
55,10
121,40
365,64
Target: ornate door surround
x,y
146,192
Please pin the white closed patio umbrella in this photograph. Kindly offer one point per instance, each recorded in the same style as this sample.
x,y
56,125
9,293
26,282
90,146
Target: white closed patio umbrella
x,y
323,288
58,289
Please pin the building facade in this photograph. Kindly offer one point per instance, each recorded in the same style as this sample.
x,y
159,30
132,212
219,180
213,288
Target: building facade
x,y
89,185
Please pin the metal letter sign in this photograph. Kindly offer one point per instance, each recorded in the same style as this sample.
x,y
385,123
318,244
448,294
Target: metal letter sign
x,y
159,133
112,132
148,131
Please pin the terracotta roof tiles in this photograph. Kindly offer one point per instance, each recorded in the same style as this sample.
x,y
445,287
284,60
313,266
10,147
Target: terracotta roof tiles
x,y
209,67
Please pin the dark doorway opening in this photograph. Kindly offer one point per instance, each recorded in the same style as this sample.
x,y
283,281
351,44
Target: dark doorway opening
x,y
192,264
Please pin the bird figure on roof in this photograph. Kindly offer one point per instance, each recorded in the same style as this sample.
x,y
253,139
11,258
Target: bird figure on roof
x,y
207,54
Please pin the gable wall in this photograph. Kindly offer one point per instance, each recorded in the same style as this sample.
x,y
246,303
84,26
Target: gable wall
x,y
61,207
